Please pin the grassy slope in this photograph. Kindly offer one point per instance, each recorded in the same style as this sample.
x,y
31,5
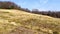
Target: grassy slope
x,y
11,19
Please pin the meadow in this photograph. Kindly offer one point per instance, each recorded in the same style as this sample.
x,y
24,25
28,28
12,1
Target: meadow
x,y
12,20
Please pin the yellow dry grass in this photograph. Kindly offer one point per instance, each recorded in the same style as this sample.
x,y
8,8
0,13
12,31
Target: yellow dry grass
x,y
11,19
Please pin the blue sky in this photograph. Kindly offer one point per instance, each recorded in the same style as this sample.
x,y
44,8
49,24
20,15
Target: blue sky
x,y
38,4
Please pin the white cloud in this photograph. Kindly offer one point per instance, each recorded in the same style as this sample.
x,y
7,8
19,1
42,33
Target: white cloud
x,y
43,1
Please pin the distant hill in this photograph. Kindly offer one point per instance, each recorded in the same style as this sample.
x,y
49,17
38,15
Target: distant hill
x,y
12,5
20,22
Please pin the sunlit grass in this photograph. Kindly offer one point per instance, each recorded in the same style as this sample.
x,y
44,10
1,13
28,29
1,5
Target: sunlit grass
x,y
10,19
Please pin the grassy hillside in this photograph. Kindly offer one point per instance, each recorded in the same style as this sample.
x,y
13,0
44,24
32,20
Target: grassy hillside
x,y
12,21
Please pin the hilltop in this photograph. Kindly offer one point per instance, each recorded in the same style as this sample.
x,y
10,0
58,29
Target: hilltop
x,y
20,22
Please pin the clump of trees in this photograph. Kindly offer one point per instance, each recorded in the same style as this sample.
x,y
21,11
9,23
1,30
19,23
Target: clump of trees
x,y
55,14
11,5
8,5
